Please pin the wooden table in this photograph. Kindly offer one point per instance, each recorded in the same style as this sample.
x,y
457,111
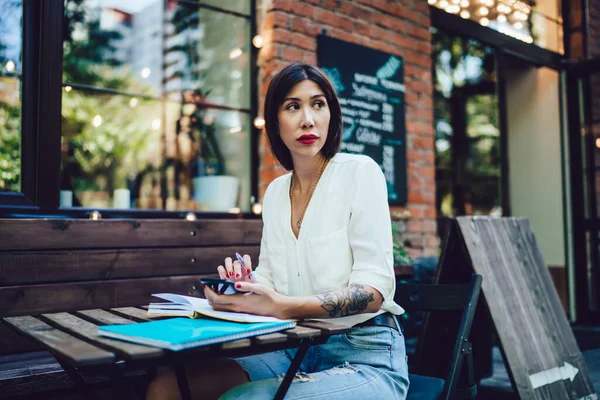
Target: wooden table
x,y
74,341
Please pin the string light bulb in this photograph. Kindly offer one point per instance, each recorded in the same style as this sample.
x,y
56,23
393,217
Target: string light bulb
x,y
190,217
257,208
95,215
259,122
258,41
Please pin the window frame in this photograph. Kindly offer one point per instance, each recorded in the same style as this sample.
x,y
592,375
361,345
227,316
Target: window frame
x,y
41,126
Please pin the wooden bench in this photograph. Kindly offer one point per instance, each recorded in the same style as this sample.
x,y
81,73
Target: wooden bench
x,y
62,265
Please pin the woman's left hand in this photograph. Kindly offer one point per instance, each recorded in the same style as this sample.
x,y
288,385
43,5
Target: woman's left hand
x,y
258,299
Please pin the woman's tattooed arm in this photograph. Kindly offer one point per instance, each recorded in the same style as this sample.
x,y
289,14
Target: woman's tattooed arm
x,y
348,301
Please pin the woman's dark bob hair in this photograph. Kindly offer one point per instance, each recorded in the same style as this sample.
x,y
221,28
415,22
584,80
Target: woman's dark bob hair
x,y
280,86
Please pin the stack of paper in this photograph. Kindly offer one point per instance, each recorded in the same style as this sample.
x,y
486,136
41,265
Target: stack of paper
x,y
187,306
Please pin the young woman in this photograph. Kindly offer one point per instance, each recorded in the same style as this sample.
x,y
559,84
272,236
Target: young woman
x,y
326,252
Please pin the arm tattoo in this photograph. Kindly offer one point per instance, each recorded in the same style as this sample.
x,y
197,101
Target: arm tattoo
x,y
348,301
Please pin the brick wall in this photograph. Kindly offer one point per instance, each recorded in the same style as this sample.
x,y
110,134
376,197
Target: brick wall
x,y
399,27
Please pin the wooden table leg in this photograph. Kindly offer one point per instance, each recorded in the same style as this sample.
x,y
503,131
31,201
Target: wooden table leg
x,y
76,378
182,381
291,372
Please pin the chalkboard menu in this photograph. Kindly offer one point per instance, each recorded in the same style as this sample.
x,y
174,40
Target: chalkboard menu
x,y
370,86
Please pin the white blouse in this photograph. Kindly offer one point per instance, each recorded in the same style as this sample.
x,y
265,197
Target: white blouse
x,y
346,235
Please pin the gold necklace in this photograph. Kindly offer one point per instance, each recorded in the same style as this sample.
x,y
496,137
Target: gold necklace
x,y
312,189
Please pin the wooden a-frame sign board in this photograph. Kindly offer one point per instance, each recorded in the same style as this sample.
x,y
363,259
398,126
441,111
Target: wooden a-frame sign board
x,y
540,350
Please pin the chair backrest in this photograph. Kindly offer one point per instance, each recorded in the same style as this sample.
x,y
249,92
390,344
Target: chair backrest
x,y
460,298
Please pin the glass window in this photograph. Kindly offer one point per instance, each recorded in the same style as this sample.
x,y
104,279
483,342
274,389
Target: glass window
x,y
538,22
156,106
467,145
11,17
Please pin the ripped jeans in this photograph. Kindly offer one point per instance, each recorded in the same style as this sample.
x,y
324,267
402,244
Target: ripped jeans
x,y
367,363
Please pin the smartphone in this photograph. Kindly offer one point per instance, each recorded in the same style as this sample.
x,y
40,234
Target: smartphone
x,y
220,286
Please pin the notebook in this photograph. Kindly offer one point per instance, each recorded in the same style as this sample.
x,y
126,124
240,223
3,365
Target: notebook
x,y
193,307
183,333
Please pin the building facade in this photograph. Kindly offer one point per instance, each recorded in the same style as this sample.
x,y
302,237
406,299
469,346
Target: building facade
x,y
153,109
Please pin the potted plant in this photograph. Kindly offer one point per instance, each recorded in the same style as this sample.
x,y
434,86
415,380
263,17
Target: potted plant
x,y
403,263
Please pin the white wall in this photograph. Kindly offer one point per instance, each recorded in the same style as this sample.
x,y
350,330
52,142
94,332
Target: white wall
x,y
534,155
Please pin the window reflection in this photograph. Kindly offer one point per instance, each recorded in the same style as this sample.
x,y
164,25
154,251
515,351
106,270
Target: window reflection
x,y
467,143
11,12
156,105
208,52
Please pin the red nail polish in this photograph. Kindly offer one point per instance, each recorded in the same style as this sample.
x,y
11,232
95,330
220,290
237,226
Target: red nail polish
x,y
237,275
248,270
238,285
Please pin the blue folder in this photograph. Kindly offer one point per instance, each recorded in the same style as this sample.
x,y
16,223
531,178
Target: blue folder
x,y
184,333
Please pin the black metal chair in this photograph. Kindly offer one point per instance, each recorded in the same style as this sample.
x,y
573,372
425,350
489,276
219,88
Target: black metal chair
x,y
459,382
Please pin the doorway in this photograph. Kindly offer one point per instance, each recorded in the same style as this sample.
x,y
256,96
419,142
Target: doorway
x,y
583,101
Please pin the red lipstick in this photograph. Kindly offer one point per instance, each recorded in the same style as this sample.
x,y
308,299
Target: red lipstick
x,y
308,139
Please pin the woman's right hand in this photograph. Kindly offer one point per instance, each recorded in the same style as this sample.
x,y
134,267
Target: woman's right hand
x,y
234,271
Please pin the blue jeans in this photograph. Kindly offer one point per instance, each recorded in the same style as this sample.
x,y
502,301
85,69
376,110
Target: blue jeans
x,y
367,363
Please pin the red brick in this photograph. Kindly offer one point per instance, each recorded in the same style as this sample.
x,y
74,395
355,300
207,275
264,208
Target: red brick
x,y
387,21
421,198
419,87
429,157
400,39
414,155
268,175
429,226
379,33
431,213
305,26
276,19
356,11
419,128
426,101
269,160
416,211
303,9
333,19
413,57
424,47
414,183
419,31
419,114
310,58
362,28
414,225
329,4
347,37
284,5
430,185
379,45
426,172
268,52
271,69
294,39
432,240
289,53
411,98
